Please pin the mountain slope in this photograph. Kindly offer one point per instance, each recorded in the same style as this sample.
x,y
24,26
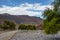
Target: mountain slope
x,y
21,19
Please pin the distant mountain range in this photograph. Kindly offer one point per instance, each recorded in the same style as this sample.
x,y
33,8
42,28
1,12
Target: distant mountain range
x,y
21,19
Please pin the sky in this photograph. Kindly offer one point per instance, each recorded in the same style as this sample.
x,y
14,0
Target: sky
x,y
25,7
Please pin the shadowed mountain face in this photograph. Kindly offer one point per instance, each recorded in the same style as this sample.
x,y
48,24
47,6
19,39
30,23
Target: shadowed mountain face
x,y
21,19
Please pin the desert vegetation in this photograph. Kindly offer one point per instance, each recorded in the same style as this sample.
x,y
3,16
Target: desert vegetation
x,y
8,25
52,18
27,27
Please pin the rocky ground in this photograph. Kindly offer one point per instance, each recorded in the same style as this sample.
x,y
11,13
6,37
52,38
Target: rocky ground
x,y
7,35
34,35
28,35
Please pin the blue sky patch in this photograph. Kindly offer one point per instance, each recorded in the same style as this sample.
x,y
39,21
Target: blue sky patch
x,y
18,2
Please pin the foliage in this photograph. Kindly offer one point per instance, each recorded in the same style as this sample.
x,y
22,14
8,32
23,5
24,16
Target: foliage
x,y
52,19
27,27
0,26
22,27
8,25
31,27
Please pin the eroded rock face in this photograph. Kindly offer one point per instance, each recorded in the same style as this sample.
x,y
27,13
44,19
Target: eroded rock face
x,y
34,35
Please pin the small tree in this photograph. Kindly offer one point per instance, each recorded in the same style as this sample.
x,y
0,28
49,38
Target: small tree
x,y
51,27
52,19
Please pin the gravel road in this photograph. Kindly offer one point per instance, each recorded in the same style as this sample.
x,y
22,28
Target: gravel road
x,y
7,35
28,35
34,35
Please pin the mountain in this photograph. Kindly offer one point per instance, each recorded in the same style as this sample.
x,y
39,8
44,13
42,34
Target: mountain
x,y
25,19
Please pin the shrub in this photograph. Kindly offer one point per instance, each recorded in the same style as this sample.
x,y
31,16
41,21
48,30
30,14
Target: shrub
x,y
27,27
22,27
8,25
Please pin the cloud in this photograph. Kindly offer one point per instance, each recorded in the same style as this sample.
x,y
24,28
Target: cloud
x,y
25,9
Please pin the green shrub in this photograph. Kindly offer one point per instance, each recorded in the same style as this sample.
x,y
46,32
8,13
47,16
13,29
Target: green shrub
x,y
52,18
27,27
22,27
8,25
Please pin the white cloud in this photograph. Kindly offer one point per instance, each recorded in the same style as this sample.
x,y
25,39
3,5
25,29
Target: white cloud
x,y
22,9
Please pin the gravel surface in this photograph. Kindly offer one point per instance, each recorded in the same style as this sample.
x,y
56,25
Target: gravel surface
x,y
7,35
34,35
28,35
